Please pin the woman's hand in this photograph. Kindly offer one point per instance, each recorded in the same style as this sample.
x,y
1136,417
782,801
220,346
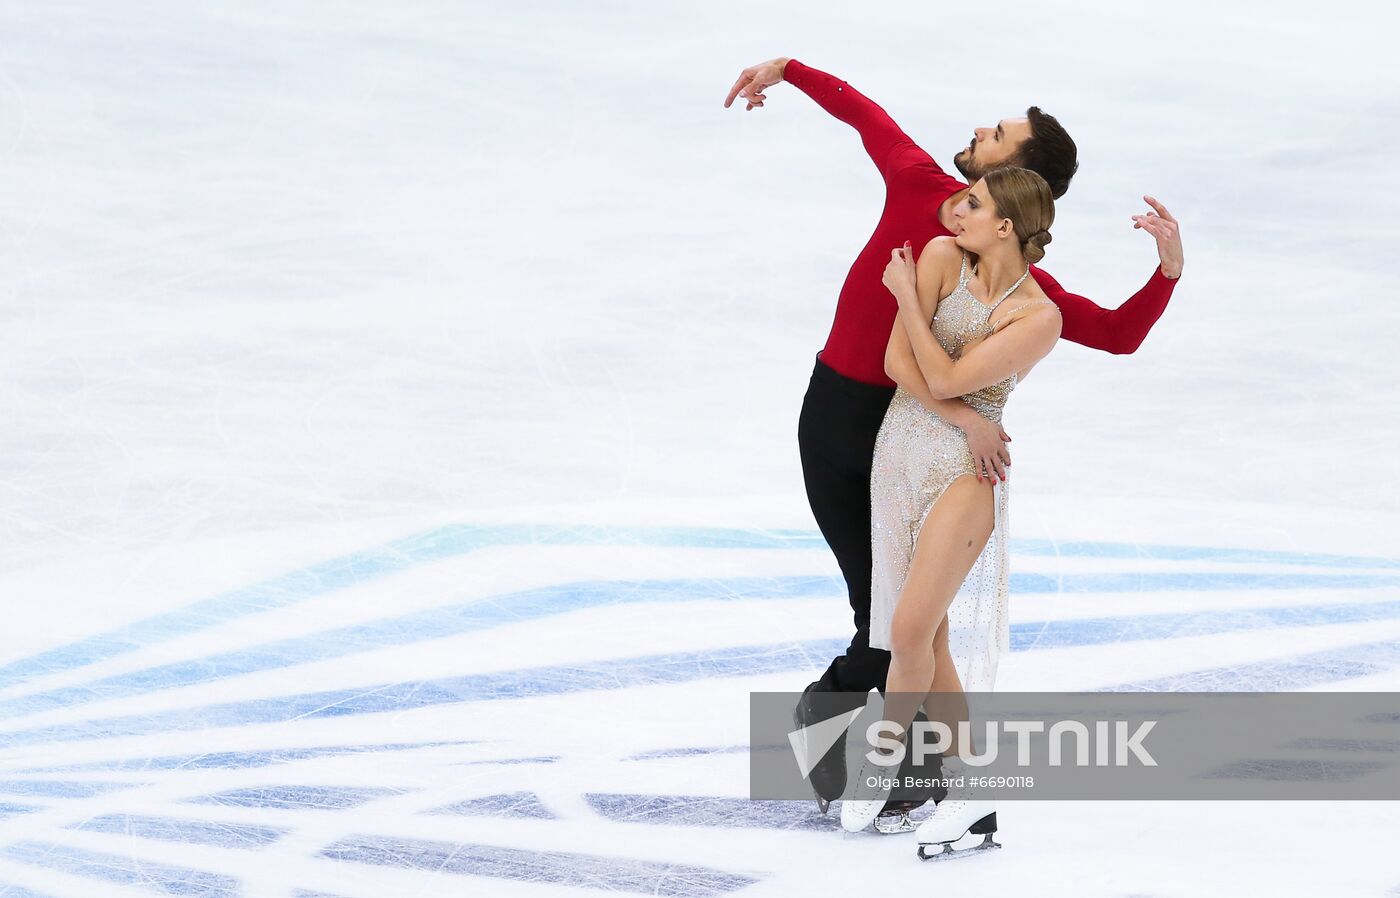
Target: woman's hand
x,y
900,275
1160,224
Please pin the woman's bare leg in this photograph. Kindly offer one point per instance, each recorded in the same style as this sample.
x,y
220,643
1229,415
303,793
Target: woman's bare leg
x,y
946,701
953,535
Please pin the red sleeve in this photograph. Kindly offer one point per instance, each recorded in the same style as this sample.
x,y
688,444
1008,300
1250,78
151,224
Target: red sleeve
x,y
889,147
1119,330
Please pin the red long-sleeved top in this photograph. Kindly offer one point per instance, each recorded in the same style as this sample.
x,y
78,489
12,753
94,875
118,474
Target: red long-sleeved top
x,y
915,187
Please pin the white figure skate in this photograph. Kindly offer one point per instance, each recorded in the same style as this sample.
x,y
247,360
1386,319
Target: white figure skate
x,y
952,819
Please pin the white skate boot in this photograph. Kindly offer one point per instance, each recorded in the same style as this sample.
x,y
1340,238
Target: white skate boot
x,y
955,817
870,791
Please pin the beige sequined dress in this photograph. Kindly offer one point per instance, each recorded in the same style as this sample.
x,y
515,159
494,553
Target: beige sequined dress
x,y
917,456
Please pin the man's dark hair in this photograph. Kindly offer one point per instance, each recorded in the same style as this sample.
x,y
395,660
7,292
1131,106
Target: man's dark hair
x,y
1049,152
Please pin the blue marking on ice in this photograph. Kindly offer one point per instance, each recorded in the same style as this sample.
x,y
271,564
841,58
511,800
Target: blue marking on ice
x,y
371,564
297,797
1278,674
233,760
13,891
434,623
9,810
710,810
678,667
540,867
492,611
622,673
508,804
1181,625
607,674
458,539
176,829
167,878
1215,554
56,789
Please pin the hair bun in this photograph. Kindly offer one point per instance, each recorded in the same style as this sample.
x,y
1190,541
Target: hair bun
x,y
1034,250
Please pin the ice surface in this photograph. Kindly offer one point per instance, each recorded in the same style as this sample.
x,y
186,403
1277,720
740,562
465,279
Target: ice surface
x,y
398,470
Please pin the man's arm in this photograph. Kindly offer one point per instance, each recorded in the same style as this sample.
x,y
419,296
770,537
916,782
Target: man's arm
x,y
1119,331
886,143
1123,329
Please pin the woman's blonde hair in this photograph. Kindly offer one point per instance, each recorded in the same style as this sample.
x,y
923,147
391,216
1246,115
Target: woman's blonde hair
x,y
1024,197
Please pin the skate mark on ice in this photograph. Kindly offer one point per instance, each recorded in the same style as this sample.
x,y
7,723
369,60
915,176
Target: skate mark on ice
x,y
12,810
167,878
505,762
507,804
614,874
175,829
707,810
658,753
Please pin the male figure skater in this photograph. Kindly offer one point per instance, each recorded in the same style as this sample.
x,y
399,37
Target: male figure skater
x,y
849,390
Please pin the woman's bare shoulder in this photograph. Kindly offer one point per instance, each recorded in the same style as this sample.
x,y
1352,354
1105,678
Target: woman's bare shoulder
x,y
940,263
943,250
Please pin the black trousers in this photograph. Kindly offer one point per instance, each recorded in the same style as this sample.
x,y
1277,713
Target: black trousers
x,y
836,438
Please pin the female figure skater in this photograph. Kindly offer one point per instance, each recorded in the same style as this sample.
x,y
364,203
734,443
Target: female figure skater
x,y
939,525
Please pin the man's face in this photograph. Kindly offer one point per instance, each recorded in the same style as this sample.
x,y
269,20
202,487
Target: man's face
x,y
992,147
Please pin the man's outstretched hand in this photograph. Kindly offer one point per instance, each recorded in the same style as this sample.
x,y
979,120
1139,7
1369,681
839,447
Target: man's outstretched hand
x,y
754,80
1160,224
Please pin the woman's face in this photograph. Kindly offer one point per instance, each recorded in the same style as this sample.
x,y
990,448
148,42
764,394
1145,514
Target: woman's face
x,y
976,225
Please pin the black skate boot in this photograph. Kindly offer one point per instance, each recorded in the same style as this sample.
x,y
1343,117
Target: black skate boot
x,y
828,777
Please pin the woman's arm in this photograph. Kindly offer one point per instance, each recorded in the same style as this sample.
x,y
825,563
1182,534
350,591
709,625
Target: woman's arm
x,y
986,440
992,360
903,369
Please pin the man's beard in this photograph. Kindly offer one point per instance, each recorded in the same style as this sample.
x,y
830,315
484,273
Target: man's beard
x,y
968,166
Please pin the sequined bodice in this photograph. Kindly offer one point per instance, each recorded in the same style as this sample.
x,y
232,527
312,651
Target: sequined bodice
x,y
962,319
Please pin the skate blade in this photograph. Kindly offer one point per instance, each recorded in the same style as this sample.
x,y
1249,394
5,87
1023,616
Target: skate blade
x,y
823,805
930,851
894,824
